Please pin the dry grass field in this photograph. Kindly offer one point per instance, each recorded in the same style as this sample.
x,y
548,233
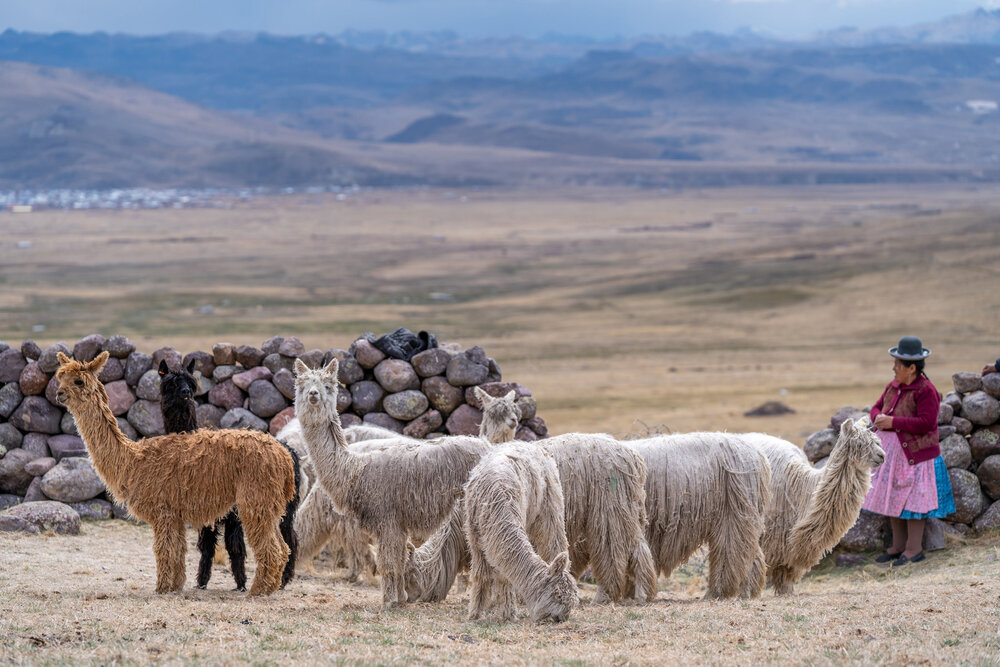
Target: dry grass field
x,y
89,600
616,307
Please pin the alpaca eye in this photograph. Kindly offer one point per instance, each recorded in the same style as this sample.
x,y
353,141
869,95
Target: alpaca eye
x,y
329,388
78,383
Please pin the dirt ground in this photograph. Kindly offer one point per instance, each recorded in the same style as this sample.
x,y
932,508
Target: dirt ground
x,y
89,599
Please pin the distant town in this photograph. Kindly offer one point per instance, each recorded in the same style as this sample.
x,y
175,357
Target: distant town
x,y
26,201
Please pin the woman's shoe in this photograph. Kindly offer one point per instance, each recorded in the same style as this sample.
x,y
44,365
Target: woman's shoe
x,y
903,560
886,557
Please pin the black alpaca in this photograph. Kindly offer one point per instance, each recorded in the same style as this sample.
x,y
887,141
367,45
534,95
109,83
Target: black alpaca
x,y
179,408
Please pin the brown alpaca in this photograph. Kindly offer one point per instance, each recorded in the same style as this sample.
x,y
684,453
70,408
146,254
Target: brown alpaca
x,y
185,478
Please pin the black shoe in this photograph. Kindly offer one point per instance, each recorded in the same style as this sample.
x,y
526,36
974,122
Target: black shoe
x,y
886,557
903,560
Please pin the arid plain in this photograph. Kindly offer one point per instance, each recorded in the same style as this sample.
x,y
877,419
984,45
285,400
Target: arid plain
x,y
620,309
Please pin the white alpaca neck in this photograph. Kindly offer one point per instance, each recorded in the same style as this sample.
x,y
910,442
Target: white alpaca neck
x,y
337,468
494,433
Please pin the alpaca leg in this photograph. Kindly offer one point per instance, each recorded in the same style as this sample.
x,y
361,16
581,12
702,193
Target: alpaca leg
x,y
268,549
237,549
642,572
291,539
312,527
783,580
392,563
207,537
730,557
169,547
479,580
756,578
504,599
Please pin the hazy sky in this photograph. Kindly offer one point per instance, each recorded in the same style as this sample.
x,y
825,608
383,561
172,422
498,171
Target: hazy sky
x,y
597,18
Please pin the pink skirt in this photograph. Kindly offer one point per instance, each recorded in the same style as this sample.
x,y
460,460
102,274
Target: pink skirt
x,y
897,486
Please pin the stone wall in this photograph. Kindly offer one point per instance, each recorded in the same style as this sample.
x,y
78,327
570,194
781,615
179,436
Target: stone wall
x,y
43,458
969,431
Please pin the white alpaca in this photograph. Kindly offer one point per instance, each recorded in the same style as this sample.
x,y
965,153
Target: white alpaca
x,y
810,509
707,488
603,487
517,539
409,488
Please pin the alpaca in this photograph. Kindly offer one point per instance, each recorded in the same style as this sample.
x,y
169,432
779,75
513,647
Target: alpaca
x,y
707,488
408,488
810,509
184,478
603,486
517,535
177,404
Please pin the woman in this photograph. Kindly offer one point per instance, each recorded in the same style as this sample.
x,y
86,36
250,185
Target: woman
x,y
912,483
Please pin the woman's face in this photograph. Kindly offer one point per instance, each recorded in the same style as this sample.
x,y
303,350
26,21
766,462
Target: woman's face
x,y
904,374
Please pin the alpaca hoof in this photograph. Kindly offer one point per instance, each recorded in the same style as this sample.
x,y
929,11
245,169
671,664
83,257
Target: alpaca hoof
x,y
201,587
238,589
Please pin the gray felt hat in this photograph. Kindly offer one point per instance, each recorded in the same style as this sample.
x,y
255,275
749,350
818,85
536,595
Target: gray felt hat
x,y
910,348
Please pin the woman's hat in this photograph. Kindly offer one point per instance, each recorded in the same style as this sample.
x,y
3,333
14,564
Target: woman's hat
x,y
910,348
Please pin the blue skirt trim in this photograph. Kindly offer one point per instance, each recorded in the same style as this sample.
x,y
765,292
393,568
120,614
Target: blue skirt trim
x,y
946,501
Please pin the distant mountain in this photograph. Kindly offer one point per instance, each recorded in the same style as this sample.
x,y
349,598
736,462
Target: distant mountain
x,y
981,26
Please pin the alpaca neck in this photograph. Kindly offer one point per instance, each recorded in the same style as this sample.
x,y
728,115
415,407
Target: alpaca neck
x,y
336,467
495,433
528,576
834,504
110,450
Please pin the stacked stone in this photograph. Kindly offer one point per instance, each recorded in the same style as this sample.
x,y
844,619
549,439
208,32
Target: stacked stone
x,y
43,458
969,432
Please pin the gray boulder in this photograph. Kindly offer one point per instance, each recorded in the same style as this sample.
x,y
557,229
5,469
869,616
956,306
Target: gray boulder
x,y
349,419
945,431
52,391
945,413
226,395
368,355
396,375
30,350
969,498
209,416
149,386
242,418
284,381
120,397
869,533
136,365
65,446
955,451
426,423
988,520
225,372
442,396
119,347
38,415
275,362
10,438
10,398
431,362
146,417
464,420
245,379
33,379
985,442
265,400
966,382
88,347
494,374
384,420
537,424
991,384
249,356
39,467
962,425
271,345
49,360
93,509
36,443
12,362
34,492
44,516
13,478
366,396
72,480
113,370
843,415
981,408
988,473
291,347
224,354
465,370
820,444
127,429
528,407
9,500
67,424
406,405
525,434
167,354
312,358
204,362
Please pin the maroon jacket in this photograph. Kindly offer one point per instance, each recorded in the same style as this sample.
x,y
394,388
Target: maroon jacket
x,y
914,411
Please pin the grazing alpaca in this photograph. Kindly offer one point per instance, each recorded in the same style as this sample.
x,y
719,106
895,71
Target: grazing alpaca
x,y
409,488
810,509
517,535
707,488
603,484
177,404
184,478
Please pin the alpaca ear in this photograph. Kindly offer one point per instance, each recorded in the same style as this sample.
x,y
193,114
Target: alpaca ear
x,y
847,427
300,367
559,563
63,359
510,396
333,367
163,369
97,364
191,365
482,396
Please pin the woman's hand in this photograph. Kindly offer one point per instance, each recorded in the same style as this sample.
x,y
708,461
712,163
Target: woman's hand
x,y
989,368
883,422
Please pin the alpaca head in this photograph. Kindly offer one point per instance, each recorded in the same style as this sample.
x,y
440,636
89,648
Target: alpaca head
x,y
557,594
500,416
316,392
858,445
78,381
178,388
412,575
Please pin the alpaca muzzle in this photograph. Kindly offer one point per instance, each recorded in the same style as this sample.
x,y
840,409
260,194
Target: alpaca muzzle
x,y
61,398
